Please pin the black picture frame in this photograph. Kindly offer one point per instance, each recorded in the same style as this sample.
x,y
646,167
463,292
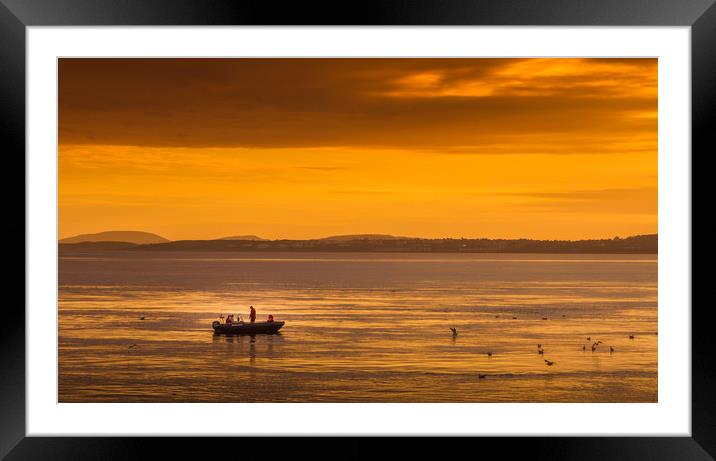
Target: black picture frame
x,y
16,15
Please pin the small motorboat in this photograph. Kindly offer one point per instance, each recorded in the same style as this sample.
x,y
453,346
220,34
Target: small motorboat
x,y
247,328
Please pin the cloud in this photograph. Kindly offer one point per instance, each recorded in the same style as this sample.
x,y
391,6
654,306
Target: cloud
x,y
386,103
641,200
322,168
584,78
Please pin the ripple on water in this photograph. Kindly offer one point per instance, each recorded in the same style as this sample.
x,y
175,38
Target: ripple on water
x,y
363,328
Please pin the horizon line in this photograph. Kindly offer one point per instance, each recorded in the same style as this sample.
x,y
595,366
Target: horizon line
x,y
358,235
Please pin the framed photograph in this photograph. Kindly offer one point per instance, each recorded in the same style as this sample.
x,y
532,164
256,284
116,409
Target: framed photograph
x,y
423,219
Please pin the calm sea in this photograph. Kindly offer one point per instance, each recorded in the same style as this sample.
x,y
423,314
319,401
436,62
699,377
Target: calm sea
x,y
359,327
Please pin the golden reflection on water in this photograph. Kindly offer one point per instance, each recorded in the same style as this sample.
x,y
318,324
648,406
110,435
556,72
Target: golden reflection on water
x,y
360,332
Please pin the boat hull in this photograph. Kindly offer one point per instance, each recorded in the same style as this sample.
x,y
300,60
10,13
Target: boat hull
x,y
256,328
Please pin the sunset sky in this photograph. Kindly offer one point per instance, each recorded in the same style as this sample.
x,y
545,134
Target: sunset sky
x,y
303,148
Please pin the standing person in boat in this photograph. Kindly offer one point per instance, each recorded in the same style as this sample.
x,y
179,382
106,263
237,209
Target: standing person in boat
x,y
252,314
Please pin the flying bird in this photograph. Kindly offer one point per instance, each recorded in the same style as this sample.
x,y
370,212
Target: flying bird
x,y
454,332
611,350
548,362
540,351
481,376
584,348
631,336
133,345
489,354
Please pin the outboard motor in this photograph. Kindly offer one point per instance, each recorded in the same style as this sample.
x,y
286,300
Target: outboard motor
x,y
215,324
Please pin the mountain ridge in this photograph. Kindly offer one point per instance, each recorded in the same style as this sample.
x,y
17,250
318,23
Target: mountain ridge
x,y
243,237
137,237
638,244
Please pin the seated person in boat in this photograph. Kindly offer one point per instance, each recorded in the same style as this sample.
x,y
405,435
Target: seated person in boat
x,y
270,318
230,319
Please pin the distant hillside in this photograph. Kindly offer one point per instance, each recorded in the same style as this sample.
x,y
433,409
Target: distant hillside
x,y
117,236
243,237
639,244
339,238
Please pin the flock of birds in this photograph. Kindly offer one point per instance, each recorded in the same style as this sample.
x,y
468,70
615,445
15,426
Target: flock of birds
x,y
540,349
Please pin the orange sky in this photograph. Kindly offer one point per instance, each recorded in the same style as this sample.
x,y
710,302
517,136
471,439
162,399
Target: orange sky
x,y
301,148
